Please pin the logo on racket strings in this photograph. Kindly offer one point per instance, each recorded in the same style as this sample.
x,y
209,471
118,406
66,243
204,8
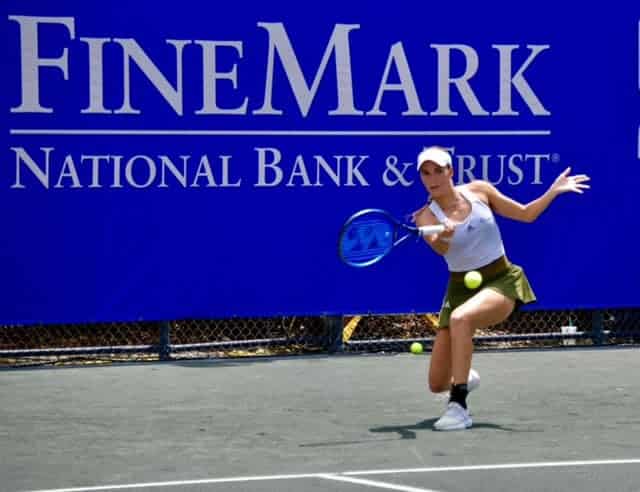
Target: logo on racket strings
x,y
367,239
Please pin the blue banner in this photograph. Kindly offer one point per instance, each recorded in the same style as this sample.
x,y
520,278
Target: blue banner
x,y
197,160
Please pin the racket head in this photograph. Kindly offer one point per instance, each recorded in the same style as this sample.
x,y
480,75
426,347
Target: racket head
x,y
366,237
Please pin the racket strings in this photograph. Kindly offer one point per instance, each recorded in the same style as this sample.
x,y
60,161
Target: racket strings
x,y
367,240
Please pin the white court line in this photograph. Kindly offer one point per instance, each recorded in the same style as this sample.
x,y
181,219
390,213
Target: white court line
x,y
375,483
506,466
184,482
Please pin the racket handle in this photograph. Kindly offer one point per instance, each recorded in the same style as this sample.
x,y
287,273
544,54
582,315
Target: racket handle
x,y
432,229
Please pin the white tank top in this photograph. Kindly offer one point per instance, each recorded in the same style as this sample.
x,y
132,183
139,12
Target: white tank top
x,y
476,242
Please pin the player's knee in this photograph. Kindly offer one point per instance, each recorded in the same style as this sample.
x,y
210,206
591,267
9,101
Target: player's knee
x,y
459,320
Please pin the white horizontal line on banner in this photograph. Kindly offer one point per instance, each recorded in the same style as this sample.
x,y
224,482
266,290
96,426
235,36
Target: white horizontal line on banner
x,y
279,133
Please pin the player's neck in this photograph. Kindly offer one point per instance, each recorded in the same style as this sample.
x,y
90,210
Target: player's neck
x,y
448,200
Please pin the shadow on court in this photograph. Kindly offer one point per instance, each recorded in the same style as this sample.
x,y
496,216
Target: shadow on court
x,y
409,431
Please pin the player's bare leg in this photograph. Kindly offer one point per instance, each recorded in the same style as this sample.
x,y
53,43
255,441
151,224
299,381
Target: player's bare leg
x,y
484,309
440,378
488,307
440,363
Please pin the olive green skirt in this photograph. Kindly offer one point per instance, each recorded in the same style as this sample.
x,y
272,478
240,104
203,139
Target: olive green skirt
x,y
510,281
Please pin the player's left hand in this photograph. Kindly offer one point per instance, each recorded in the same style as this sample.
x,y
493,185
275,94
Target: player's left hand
x,y
565,183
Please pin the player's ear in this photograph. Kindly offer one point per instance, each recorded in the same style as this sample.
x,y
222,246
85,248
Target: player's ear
x,y
449,170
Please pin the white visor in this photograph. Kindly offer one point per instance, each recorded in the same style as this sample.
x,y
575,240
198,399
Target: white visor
x,y
434,154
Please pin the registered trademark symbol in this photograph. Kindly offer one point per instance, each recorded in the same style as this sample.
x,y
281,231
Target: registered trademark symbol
x,y
555,157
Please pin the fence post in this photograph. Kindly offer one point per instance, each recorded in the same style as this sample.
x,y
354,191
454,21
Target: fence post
x,y
334,325
164,349
597,330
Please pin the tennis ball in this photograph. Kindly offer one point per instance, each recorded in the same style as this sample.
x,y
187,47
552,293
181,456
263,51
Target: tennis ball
x,y
473,279
416,348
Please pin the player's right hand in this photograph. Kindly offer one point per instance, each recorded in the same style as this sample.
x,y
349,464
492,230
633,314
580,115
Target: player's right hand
x,y
449,229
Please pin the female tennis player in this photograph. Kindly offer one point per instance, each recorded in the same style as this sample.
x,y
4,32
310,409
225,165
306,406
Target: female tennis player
x,y
472,241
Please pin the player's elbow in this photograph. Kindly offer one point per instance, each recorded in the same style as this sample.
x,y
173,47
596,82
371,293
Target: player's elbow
x,y
532,215
526,214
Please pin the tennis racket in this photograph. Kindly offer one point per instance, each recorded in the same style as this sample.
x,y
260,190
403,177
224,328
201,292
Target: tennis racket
x,y
371,234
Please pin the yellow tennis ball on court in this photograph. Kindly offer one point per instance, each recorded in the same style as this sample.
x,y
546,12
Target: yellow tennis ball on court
x,y
473,279
416,348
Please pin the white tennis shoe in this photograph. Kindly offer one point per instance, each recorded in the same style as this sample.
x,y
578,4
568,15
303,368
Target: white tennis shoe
x,y
455,418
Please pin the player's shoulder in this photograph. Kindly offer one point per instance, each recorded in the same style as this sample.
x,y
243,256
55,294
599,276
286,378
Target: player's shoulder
x,y
478,186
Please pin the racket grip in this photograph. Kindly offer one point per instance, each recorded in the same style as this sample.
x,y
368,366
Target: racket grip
x,y
433,229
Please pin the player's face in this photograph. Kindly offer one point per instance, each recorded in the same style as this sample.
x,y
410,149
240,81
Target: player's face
x,y
436,179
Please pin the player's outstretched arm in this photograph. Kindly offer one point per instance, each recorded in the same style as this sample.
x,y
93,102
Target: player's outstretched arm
x,y
507,207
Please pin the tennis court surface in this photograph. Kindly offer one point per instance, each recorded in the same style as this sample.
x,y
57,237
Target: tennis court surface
x,y
543,420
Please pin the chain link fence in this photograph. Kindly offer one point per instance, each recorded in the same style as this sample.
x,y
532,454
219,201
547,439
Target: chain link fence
x,y
139,341
523,329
